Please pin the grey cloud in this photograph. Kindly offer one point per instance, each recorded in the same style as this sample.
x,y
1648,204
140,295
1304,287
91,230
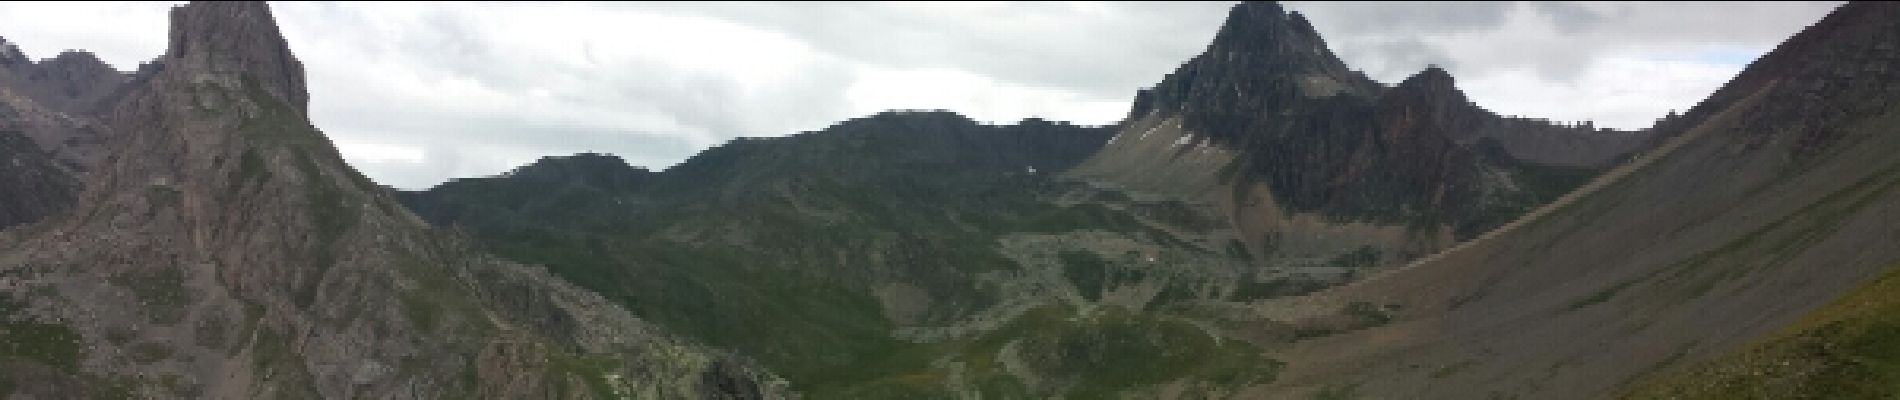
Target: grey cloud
x,y
137,29
478,145
1404,16
704,108
1105,52
1404,56
1570,17
1499,36
655,112
1100,51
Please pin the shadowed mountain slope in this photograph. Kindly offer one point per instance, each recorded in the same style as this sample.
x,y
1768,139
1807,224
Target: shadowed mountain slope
x,y
1772,198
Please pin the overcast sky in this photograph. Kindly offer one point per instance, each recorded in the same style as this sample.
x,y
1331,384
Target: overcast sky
x,y
418,93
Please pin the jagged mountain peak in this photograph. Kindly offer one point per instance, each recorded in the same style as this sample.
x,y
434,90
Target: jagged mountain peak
x,y
75,61
236,37
10,55
1268,33
1271,122
1264,26
1434,89
1250,20
1432,77
1433,85
74,78
1262,58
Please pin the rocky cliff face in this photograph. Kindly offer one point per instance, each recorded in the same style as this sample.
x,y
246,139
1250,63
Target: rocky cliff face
x,y
1293,146
73,82
1263,59
32,184
48,140
224,250
56,102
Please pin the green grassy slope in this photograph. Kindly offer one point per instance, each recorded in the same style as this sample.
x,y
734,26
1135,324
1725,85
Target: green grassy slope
x,y
1849,349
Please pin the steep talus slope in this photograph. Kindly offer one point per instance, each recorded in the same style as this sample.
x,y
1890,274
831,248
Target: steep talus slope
x,y
224,250
32,184
1781,197
1307,160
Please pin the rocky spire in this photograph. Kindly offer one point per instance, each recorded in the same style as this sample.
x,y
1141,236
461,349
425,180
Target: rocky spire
x,y
1433,88
10,56
1429,104
1266,33
235,38
1263,57
1250,23
1265,28
1432,78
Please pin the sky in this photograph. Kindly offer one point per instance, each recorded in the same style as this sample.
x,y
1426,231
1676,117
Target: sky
x,y
417,93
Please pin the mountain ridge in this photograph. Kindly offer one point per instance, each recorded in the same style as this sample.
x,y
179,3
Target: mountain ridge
x,y
1737,218
1273,140
1307,159
1230,239
232,253
785,207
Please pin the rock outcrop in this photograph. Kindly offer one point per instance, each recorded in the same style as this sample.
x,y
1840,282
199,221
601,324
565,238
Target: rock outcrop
x,y
74,82
1295,146
224,250
47,139
32,184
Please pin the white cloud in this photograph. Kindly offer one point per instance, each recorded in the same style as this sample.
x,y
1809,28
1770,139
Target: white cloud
x,y
123,34
416,93
1619,64
1591,96
979,97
